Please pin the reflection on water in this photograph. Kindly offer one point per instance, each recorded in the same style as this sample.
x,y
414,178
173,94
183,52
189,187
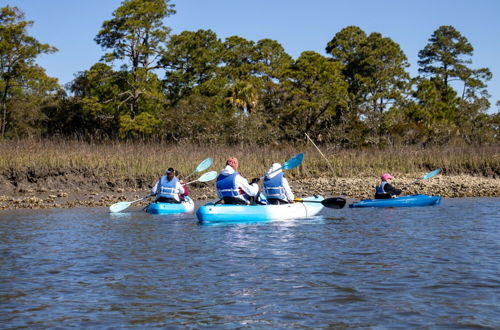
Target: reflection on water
x,y
409,267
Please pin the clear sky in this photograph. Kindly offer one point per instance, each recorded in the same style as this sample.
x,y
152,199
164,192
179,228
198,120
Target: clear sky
x,y
71,25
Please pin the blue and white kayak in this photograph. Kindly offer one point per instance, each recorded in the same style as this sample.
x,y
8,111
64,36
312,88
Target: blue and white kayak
x,y
403,201
171,208
211,213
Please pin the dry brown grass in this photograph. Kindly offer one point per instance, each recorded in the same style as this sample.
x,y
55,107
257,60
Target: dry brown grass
x,y
122,159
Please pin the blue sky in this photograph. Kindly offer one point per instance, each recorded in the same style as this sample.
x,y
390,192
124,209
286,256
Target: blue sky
x,y
71,25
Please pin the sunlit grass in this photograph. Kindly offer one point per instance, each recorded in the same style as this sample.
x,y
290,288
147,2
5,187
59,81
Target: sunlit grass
x,y
115,160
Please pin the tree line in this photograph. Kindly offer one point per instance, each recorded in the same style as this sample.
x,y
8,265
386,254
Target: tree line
x,y
193,86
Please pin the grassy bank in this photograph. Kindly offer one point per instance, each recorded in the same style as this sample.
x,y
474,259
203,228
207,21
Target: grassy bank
x,y
116,160
47,173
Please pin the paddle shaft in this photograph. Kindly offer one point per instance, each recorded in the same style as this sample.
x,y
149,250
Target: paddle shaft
x,y
423,177
334,202
327,161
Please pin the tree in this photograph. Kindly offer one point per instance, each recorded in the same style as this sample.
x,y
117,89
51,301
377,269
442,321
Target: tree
x,y
96,91
18,72
317,94
374,68
136,33
191,61
446,58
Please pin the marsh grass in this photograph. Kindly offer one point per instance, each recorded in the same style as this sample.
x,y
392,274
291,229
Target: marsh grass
x,y
117,160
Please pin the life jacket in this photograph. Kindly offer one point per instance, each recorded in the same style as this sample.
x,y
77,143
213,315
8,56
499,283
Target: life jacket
x,y
273,187
226,185
380,188
166,189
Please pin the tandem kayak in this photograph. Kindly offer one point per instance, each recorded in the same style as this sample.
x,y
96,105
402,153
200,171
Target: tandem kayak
x,y
171,208
211,213
403,201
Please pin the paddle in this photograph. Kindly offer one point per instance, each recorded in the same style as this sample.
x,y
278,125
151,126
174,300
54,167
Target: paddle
x,y
209,176
333,203
289,164
202,166
327,161
120,206
423,177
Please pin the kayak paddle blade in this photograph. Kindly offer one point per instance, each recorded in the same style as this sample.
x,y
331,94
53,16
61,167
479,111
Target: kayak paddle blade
x,y
209,176
431,174
293,162
334,202
118,207
204,165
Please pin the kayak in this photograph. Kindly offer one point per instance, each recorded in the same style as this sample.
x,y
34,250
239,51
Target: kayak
x,y
171,208
403,201
211,213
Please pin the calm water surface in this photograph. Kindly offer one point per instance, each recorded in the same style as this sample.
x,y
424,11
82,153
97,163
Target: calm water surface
x,y
435,267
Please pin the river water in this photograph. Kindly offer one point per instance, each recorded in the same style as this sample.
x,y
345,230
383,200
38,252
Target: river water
x,y
435,267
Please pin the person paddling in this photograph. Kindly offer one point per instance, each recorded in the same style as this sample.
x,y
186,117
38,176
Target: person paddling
x,y
232,188
168,188
182,196
386,190
276,187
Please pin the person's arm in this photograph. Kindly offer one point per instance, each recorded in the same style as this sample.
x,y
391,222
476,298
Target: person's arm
x,y
186,192
288,190
390,189
155,187
179,188
249,189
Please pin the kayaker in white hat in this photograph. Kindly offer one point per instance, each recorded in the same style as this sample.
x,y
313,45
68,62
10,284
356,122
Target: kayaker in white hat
x,y
276,187
385,189
232,188
168,188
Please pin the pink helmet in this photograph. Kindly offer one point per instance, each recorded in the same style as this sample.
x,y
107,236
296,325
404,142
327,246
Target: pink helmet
x,y
386,176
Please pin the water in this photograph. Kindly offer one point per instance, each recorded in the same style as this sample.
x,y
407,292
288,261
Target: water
x,y
424,267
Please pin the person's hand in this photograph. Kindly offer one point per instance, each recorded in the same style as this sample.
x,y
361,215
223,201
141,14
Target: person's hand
x,y
255,180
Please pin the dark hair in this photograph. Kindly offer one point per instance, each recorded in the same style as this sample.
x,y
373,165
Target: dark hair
x,y
170,169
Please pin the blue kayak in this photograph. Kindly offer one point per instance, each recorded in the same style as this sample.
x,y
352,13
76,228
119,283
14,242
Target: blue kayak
x,y
403,201
211,213
171,208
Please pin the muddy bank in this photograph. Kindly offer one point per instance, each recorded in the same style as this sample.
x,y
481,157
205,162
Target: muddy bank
x,y
77,189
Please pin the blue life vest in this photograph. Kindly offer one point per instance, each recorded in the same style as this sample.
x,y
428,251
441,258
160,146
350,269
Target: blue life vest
x,y
226,185
380,188
273,187
167,188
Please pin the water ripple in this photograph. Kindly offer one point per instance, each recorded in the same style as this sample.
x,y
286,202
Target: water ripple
x,y
435,267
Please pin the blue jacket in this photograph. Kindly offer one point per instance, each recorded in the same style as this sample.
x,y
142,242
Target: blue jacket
x,y
226,185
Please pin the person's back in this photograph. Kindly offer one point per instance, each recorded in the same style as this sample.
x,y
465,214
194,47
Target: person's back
x,y
232,188
276,187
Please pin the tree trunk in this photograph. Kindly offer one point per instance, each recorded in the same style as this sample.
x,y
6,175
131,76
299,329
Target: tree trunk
x,y
4,109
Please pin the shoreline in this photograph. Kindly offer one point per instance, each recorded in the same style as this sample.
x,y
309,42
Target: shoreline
x,y
34,195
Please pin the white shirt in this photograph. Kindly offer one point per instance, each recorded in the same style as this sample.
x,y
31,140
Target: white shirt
x,y
241,182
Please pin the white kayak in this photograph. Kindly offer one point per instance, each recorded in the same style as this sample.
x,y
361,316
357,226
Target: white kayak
x,y
308,207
